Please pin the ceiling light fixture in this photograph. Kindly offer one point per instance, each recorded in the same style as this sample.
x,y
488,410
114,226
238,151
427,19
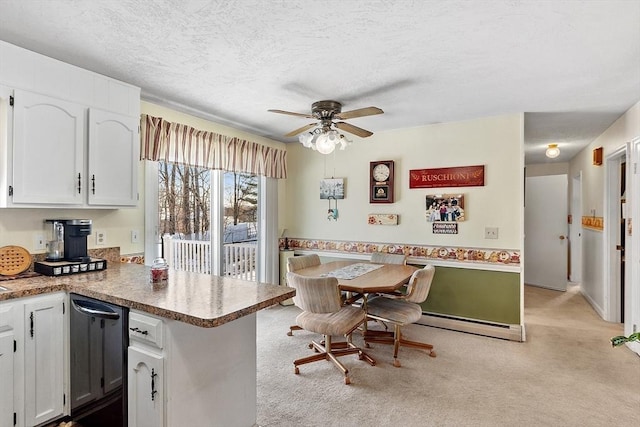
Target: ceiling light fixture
x,y
553,151
324,139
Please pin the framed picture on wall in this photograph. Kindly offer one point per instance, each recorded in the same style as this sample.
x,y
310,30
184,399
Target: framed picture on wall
x,y
332,188
445,208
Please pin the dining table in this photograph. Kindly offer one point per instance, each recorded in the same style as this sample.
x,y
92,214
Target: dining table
x,y
359,279
385,278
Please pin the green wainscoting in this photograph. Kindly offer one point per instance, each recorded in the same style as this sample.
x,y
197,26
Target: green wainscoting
x,y
476,294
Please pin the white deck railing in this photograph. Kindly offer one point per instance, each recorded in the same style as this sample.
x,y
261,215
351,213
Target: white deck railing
x,y
239,259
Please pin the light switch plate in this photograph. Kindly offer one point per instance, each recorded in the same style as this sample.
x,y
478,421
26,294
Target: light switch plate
x,y
135,236
38,243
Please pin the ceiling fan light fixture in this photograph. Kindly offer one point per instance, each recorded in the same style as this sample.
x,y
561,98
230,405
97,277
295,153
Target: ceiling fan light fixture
x,y
344,141
305,139
552,151
325,144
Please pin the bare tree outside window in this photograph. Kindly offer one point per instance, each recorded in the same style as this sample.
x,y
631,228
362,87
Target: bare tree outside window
x,y
184,201
240,207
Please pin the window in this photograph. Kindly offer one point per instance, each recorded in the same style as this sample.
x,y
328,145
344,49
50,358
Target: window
x,y
184,220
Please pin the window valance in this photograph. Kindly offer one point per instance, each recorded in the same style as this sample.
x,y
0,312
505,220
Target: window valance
x,y
177,143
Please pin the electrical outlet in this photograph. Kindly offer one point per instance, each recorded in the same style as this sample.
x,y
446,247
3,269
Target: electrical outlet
x,y
491,232
101,237
134,236
38,243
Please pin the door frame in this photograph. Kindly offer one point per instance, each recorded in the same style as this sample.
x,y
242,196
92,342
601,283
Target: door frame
x,y
612,294
632,288
575,228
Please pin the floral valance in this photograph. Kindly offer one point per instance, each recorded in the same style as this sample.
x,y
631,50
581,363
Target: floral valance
x,y
177,143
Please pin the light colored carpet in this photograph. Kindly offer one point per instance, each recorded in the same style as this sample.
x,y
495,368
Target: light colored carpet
x,y
566,374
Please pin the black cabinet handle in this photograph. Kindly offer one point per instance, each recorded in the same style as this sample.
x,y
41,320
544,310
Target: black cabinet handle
x,y
153,384
79,183
140,331
31,324
93,184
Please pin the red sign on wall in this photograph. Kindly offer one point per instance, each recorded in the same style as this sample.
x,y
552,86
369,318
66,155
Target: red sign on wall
x,y
465,176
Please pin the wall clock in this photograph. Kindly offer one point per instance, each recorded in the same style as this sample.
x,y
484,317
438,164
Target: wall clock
x,y
381,181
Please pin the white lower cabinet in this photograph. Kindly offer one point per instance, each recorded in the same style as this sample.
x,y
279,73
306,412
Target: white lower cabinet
x,y
183,374
6,373
44,359
145,388
33,359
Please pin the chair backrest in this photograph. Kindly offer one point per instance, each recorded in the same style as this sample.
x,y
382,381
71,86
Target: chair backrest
x,y
296,263
315,294
419,284
382,258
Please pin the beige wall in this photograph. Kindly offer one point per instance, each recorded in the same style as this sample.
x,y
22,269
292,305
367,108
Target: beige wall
x,y
619,133
495,142
19,226
544,169
593,283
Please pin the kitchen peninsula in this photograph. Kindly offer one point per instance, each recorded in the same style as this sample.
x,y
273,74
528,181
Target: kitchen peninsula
x,y
196,334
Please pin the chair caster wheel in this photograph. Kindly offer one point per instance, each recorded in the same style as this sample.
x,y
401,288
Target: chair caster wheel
x,y
366,345
432,353
347,380
296,370
290,333
310,345
396,363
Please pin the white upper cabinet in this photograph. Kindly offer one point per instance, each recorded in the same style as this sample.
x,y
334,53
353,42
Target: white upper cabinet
x,y
114,151
68,137
48,150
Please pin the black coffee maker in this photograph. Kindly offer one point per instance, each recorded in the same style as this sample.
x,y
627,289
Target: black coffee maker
x,y
72,234
75,239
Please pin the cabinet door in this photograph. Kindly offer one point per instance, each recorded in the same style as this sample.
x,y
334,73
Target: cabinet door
x,y
114,147
48,150
6,373
145,388
44,359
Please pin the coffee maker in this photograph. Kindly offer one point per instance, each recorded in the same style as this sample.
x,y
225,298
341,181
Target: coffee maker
x,y
67,249
68,239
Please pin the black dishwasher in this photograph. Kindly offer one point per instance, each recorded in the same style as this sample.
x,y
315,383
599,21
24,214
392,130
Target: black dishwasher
x,y
98,340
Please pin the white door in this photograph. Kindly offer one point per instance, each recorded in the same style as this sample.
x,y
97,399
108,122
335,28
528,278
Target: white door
x,y
145,389
545,227
114,147
48,150
44,359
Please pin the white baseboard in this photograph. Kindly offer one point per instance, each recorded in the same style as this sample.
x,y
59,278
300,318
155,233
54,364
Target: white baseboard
x,y
479,327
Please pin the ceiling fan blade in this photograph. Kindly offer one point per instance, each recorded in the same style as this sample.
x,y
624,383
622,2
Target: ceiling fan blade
x,y
362,133
302,129
292,114
361,112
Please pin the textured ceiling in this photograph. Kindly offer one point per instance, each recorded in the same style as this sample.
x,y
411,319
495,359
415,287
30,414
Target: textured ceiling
x,y
572,67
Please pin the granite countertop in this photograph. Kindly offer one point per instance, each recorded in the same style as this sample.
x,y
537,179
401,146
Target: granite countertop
x,y
199,299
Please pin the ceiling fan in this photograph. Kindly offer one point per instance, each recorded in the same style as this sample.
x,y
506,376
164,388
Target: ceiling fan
x,y
327,112
324,137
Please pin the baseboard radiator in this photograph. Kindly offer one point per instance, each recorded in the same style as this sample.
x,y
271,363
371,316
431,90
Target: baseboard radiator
x,y
472,326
